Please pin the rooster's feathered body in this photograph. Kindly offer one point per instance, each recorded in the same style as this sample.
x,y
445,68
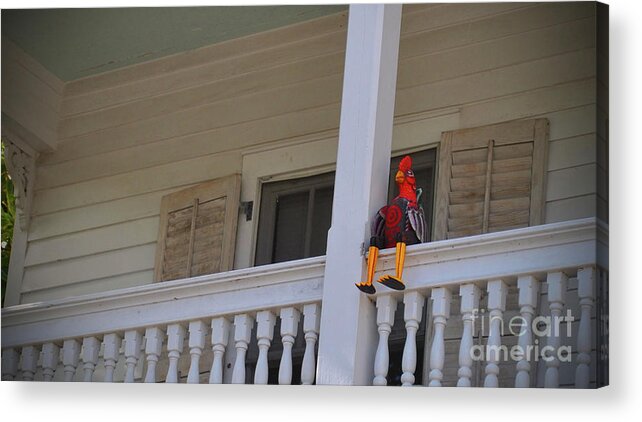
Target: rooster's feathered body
x,y
403,219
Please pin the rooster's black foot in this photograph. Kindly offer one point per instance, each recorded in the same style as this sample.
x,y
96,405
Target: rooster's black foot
x,y
366,288
392,282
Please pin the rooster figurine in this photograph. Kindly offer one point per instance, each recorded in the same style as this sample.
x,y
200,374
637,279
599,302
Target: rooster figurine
x,y
398,224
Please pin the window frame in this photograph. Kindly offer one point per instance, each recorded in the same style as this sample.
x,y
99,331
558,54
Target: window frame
x,y
316,153
265,234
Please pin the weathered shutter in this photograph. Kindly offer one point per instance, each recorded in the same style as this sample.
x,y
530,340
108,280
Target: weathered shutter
x,y
491,178
197,230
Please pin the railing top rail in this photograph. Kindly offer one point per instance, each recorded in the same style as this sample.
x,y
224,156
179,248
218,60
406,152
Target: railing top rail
x,y
507,254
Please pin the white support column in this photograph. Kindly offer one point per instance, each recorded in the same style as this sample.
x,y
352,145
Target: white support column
x,y
220,336
386,307
10,359
441,297
154,337
50,358
197,331
90,349
111,352
413,307
175,340
528,293
243,324
70,352
311,321
557,284
470,295
585,286
289,326
265,321
497,291
361,185
133,342
29,363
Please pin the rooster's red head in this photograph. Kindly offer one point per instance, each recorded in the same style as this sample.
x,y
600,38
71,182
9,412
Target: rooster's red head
x,y
405,174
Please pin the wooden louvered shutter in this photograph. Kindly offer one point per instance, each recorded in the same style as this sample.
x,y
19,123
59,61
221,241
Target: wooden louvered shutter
x,y
197,230
491,178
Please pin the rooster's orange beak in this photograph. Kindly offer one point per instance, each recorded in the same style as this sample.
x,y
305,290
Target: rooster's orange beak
x,y
399,177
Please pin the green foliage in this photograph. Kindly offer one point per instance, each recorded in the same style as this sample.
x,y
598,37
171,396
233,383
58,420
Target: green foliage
x,y
8,217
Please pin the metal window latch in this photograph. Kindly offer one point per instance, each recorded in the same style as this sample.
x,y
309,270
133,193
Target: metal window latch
x,y
247,207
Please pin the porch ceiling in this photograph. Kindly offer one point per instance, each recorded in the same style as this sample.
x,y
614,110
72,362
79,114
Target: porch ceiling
x,y
75,43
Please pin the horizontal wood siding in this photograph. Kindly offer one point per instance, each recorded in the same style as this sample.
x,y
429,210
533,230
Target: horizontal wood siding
x,y
31,99
130,136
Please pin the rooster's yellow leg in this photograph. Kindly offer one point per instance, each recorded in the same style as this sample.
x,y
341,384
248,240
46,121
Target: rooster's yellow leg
x,y
395,282
373,254
401,258
367,287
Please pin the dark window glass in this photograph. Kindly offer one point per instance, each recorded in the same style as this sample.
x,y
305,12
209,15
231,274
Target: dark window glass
x,y
321,219
289,233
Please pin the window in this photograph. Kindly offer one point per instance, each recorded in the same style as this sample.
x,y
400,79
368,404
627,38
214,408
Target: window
x,y
491,178
294,219
197,230
295,215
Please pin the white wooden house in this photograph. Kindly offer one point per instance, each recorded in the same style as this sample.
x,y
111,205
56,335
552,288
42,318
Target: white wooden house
x,y
174,213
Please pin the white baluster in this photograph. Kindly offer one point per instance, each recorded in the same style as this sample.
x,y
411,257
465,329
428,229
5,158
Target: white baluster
x,y
289,325
196,343
175,340
90,349
220,334
557,283
265,321
10,359
70,352
497,291
528,293
29,364
413,307
50,358
154,338
469,294
243,324
441,297
311,322
111,352
133,342
585,286
386,307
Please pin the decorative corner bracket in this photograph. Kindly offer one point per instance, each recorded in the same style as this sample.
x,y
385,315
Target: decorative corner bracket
x,y
22,168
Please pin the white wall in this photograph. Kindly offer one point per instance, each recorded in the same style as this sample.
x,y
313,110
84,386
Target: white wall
x,y
130,136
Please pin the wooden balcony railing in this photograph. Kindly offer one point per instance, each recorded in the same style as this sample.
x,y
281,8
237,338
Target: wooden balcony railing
x,y
160,332
503,300
466,302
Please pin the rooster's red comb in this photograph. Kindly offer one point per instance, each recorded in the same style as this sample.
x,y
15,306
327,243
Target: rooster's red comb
x,y
405,164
